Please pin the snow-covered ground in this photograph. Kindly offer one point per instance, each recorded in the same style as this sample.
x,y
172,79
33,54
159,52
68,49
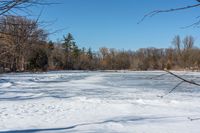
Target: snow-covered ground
x,y
98,102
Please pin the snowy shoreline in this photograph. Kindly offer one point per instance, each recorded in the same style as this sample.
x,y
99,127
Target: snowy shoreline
x,y
173,70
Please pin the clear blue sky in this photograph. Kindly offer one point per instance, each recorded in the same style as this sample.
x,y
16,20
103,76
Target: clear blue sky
x,y
113,23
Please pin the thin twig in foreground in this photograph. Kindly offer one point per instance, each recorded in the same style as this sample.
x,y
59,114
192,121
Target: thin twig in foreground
x,y
153,13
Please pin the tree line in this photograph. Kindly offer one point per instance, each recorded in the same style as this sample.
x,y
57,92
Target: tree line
x,y
24,47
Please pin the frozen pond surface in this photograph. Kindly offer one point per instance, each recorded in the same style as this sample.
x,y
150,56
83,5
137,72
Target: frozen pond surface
x,y
98,102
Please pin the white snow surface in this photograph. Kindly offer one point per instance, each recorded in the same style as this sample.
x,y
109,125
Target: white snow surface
x,y
98,102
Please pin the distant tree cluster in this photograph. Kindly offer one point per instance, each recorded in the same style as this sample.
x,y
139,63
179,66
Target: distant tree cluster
x,y
24,47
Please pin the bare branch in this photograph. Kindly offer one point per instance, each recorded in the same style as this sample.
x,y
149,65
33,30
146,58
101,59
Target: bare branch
x,y
7,6
172,89
195,24
178,77
193,119
153,13
184,80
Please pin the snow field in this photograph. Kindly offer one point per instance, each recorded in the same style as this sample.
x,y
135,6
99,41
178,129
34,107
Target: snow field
x,y
96,102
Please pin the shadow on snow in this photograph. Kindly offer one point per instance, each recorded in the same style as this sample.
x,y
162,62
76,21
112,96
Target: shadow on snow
x,y
130,119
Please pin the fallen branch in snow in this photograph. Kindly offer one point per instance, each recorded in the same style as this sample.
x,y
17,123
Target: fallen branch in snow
x,y
172,89
184,80
193,119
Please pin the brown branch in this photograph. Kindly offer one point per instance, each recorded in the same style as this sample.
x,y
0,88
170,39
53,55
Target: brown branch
x,y
10,4
193,119
195,24
184,80
153,13
172,89
7,6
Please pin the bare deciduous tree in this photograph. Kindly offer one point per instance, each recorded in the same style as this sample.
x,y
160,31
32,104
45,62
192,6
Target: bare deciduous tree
x,y
188,42
177,43
18,34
